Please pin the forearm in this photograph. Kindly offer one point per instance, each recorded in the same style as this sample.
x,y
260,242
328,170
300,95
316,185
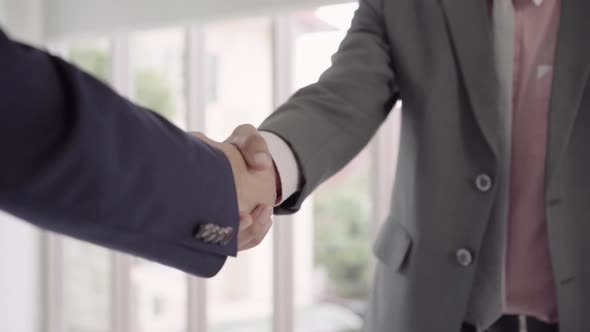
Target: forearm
x,y
328,123
81,160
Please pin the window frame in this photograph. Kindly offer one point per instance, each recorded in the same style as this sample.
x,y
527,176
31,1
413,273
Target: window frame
x,y
283,245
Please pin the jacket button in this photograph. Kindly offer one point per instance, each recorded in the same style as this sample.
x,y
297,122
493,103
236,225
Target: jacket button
x,y
207,233
483,183
464,257
214,234
226,235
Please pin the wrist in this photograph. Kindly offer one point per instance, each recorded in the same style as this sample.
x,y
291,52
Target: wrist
x,y
278,185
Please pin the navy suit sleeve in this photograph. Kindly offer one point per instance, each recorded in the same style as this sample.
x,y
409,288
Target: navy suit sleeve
x,y
78,159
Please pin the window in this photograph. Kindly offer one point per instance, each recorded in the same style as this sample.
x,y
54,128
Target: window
x,y
92,56
158,71
86,273
158,293
86,268
333,275
158,298
213,77
239,73
240,297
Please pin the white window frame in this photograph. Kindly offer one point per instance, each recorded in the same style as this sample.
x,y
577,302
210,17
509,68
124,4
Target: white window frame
x,y
196,84
121,81
283,259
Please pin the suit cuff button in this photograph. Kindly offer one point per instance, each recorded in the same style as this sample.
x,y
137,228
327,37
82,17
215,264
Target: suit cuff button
x,y
207,233
214,234
226,235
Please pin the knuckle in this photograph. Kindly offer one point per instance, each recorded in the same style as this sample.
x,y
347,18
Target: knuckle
x,y
245,129
256,142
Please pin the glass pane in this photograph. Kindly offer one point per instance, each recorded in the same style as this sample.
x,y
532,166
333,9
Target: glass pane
x,y
92,56
158,298
158,66
333,276
87,268
240,91
159,301
87,287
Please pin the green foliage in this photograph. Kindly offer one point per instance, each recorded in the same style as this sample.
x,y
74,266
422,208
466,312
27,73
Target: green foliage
x,y
152,89
93,60
342,234
154,92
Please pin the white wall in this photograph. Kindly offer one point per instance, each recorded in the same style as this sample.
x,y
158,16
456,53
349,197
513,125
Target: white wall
x,y
20,263
2,12
66,18
24,19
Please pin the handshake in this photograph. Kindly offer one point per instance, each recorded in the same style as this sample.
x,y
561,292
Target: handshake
x,y
256,179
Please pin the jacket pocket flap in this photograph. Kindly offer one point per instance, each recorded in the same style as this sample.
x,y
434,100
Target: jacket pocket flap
x,y
392,245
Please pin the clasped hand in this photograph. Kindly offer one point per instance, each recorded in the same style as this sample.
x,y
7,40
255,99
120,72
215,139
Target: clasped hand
x,y
256,182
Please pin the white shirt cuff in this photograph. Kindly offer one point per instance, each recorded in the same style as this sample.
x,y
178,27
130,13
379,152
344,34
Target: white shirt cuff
x,y
285,162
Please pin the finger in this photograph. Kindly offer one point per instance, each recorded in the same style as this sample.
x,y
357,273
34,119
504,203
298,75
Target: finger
x,y
256,241
238,136
259,237
245,221
258,230
252,146
255,152
244,237
246,234
266,213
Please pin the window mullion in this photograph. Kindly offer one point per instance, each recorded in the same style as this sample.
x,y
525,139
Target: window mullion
x,y
196,117
121,318
53,319
283,261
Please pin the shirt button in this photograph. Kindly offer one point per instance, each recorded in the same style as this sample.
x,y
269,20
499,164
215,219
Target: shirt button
x,y
464,257
483,183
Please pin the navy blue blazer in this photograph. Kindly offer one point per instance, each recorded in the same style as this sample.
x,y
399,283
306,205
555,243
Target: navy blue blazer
x,y
78,159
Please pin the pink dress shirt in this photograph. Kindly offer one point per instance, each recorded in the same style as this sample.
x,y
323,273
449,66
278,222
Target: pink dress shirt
x,y
530,287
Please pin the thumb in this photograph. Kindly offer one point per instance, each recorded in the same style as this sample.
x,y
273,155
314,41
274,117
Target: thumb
x,y
252,146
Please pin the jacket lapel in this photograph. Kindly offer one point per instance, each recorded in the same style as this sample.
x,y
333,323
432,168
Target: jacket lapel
x,y
470,28
569,79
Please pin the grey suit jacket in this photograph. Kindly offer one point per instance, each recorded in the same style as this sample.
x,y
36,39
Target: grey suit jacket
x,y
437,56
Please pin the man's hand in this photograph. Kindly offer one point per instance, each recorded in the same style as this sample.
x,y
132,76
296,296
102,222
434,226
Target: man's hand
x,y
255,187
255,152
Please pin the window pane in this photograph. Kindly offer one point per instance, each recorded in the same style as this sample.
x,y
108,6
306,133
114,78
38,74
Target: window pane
x,y
332,276
158,66
92,56
87,287
240,91
158,298
87,268
159,302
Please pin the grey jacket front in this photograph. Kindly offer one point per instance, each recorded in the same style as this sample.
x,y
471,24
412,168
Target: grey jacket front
x,y
437,56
